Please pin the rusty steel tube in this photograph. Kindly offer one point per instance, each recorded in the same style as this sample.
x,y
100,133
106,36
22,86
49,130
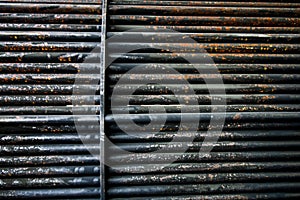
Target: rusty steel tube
x,y
42,50
254,47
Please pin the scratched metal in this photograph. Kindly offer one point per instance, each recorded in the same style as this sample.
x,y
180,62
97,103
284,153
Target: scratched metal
x,y
199,189
213,29
42,47
241,196
255,46
207,3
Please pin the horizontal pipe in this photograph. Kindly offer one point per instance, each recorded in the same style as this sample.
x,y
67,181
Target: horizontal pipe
x,y
208,29
56,1
209,78
158,117
81,79
47,68
206,99
203,20
51,182
50,8
205,3
162,158
49,149
194,68
49,89
49,27
207,167
51,193
175,127
204,58
161,179
64,89
243,135
191,10
49,57
48,138
50,171
47,128
156,89
48,46
195,189
52,100
48,160
50,120
141,109
50,36
200,47
50,18
250,196
58,110
172,147
159,36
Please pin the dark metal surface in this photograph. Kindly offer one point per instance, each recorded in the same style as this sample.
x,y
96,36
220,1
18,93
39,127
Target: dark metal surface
x,y
42,47
46,58
255,48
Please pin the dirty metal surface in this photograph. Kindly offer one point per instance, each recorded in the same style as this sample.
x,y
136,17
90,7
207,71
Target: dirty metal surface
x,y
255,48
47,55
43,45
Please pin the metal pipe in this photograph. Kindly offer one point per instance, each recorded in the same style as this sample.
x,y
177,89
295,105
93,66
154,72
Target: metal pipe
x,y
206,99
156,89
211,37
50,36
47,160
161,179
49,57
49,149
93,192
209,29
207,167
202,20
46,68
161,158
48,138
41,7
51,182
58,110
196,47
174,127
243,135
192,10
195,189
51,100
217,58
236,146
48,46
46,18
50,171
203,117
245,196
206,3
183,68
141,109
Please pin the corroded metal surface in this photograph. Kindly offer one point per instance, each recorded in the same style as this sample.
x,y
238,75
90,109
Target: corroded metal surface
x,y
255,48
42,47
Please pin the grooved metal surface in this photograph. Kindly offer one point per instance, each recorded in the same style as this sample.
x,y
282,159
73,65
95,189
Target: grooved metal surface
x,y
51,99
255,47
46,53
